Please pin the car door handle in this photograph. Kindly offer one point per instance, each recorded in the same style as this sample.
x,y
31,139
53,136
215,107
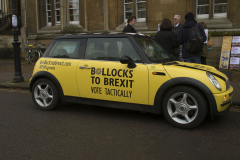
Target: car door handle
x,y
84,67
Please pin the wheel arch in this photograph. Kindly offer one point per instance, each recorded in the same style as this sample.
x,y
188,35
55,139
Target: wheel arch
x,y
185,81
49,76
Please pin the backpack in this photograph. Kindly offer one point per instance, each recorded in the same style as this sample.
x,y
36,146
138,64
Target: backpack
x,y
195,41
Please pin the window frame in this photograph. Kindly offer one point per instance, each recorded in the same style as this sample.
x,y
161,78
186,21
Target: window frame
x,y
55,10
74,22
131,11
218,15
0,6
211,11
137,3
135,46
47,11
81,49
202,16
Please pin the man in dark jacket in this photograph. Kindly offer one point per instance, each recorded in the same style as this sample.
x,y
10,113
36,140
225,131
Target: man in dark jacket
x,y
176,29
183,39
129,28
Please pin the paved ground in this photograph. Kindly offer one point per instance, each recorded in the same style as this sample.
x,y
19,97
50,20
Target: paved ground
x,y
84,132
7,74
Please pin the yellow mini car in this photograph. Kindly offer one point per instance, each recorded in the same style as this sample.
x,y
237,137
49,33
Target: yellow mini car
x,y
128,71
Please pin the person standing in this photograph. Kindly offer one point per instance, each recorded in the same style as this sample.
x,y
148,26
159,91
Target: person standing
x,y
184,39
129,28
166,37
205,51
176,29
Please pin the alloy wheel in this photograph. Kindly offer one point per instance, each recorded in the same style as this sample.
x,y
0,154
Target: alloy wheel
x,y
43,94
182,108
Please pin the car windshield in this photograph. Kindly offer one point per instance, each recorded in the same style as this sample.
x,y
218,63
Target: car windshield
x,y
153,50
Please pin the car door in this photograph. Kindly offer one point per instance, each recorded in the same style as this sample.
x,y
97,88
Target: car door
x,y
62,61
101,75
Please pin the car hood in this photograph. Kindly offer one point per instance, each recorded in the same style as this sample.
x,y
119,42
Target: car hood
x,y
193,66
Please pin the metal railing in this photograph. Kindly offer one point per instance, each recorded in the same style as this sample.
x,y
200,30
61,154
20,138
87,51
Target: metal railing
x,y
5,23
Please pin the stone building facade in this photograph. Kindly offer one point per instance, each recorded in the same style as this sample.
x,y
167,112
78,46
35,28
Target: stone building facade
x,y
102,15
43,20
6,34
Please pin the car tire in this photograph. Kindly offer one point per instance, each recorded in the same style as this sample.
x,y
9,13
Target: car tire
x,y
45,95
184,107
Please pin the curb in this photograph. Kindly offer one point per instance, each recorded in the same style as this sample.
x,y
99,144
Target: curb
x,y
24,85
14,87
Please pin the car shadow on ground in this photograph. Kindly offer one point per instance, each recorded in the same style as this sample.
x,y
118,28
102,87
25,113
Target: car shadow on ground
x,y
142,117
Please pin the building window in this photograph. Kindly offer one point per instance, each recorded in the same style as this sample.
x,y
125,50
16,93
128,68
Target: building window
x,y
57,12
128,9
74,11
65,49
219,9
48,10
140,6
202,9
141,10
0,6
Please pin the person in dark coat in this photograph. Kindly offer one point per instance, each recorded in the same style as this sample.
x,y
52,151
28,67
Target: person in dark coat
x,y
183,39
176,29
166,37
129,28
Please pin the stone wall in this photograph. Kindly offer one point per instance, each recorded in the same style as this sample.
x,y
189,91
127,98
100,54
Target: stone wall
x,y
213,58
32,16
157,10
6,47
115,16
95,13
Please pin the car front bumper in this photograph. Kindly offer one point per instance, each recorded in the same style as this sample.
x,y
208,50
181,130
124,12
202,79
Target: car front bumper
x,y
223,101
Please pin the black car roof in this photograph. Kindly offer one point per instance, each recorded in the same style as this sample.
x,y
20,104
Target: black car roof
x,y
101,35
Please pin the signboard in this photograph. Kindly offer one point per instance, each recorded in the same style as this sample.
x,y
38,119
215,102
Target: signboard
x,y
235,52
224,59
225,53
236,41
14,20
234,63
206,32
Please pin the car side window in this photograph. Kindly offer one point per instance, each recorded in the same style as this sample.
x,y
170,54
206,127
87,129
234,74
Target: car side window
x,y
110,49
65,49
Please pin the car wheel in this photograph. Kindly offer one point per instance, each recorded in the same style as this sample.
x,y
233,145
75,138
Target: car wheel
x,y
45,95
184,107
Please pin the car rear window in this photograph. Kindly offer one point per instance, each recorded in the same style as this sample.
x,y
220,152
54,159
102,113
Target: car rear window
x,y
65,49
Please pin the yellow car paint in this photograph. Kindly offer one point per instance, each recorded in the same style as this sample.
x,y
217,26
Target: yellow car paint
x,y
64,70
113,81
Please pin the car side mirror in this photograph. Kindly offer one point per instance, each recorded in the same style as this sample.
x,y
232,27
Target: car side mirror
x,y
128,60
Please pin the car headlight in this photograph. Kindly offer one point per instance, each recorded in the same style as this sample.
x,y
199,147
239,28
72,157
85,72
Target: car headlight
x,y
214,81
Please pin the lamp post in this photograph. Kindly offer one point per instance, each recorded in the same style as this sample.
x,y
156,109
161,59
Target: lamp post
x,y
16,47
